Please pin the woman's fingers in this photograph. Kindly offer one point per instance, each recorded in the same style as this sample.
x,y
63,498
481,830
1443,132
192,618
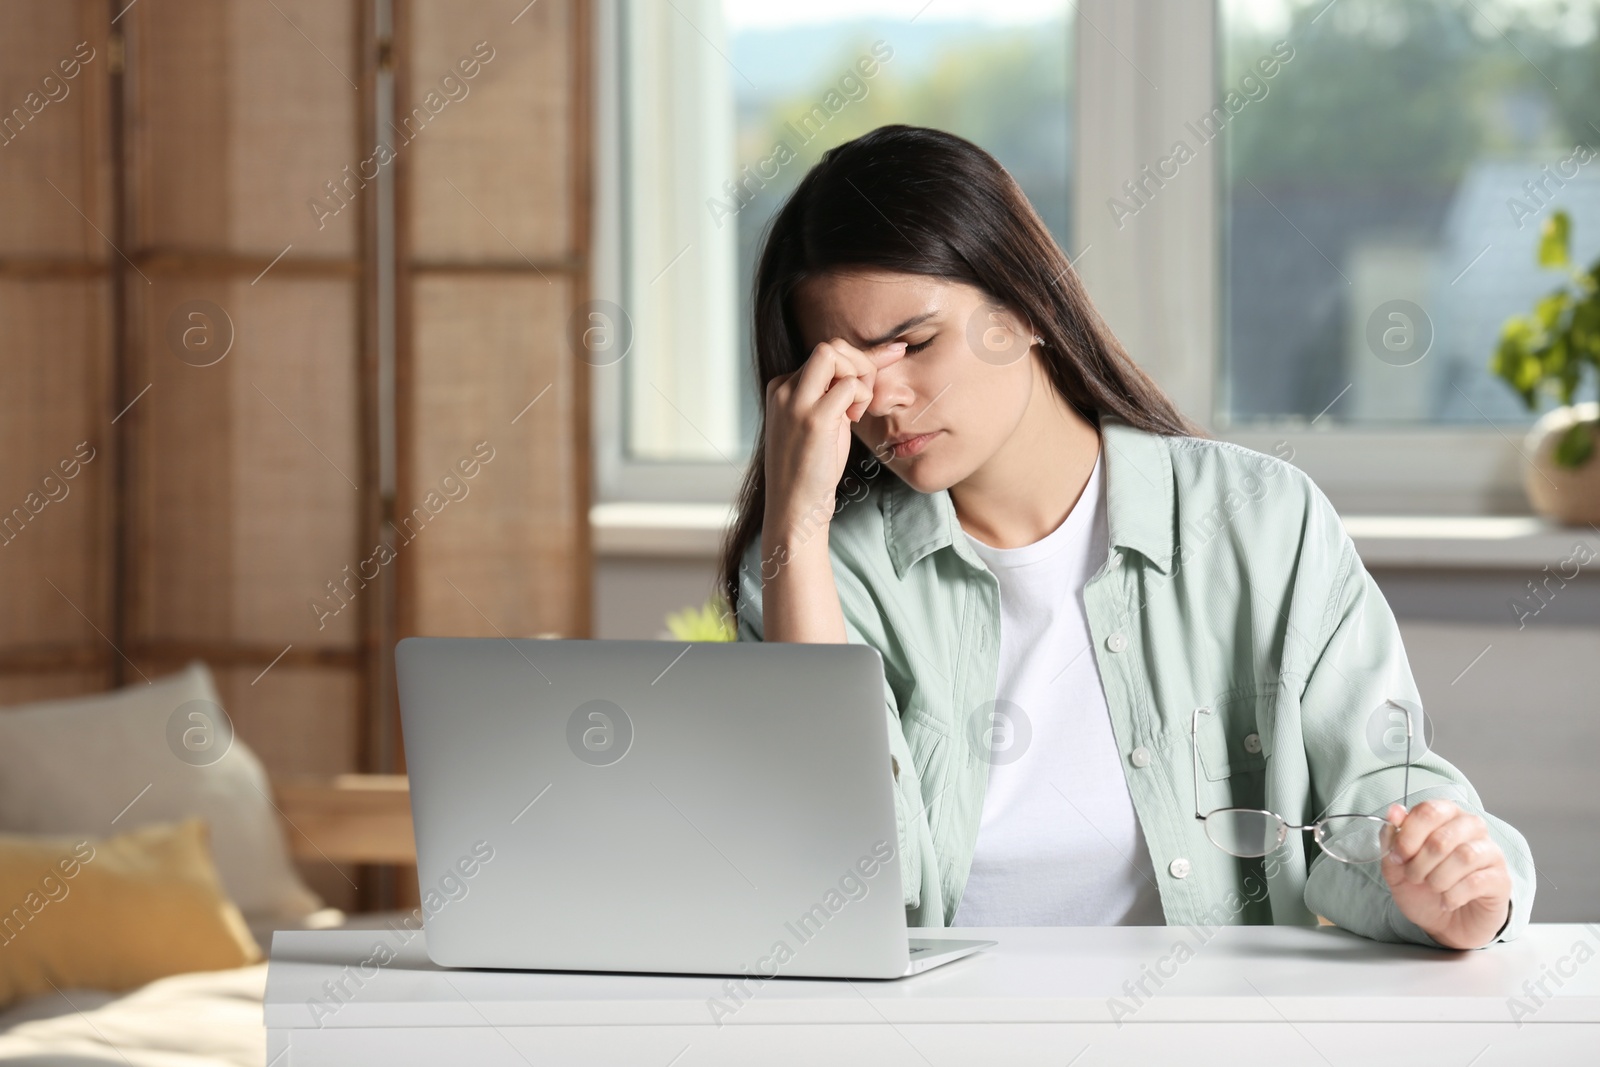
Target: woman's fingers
x,y
884,355
831,364
1468,858
1439,845
778,386
852,362
1491,881
843,396
807,429
1418,825
866,376
1442,844
816,375
866,363
1446,874
874,359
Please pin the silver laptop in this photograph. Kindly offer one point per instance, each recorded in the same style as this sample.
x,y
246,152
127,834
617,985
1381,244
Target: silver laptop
x,y
650,806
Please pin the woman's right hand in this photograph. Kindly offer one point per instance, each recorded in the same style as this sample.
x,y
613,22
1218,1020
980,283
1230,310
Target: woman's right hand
x,y
809,413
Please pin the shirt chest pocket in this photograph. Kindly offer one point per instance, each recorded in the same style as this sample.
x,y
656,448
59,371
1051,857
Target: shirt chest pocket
x,y
1230,738
926,732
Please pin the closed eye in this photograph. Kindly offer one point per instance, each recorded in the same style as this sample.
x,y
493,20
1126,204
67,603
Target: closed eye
x,y
919,346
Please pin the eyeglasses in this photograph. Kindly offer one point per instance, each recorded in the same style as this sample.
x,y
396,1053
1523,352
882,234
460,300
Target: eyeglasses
x,y
1253,832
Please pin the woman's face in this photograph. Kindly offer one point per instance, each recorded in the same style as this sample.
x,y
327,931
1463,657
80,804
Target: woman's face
x,y
943,410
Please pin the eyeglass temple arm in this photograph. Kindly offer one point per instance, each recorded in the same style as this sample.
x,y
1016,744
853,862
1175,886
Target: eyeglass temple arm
x,y
1407,801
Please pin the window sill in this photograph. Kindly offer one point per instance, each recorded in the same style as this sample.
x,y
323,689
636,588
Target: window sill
x,y
669,531
694,531
1459,542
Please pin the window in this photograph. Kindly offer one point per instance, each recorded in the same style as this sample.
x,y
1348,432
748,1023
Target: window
x,y
721,106
1320,272
1002,82
1383,193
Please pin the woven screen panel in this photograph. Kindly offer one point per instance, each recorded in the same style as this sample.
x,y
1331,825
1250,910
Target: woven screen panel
x,y
248,111
335,883
55,462
26,687
245,504
53,98
295,718
507,538
491,170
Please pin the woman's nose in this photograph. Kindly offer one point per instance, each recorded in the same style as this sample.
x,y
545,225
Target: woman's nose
x,y
891,391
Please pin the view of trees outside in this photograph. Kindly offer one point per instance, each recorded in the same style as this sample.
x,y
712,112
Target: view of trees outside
x,y
1390,161
999,74
1382,192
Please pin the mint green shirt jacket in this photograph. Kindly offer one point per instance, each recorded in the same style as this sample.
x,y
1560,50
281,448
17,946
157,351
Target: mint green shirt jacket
x,y
1230,584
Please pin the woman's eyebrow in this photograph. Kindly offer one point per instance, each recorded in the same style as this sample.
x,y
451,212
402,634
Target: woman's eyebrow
x,y
898,330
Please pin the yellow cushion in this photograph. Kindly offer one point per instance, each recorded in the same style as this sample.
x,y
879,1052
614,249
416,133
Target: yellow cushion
x,y
114,913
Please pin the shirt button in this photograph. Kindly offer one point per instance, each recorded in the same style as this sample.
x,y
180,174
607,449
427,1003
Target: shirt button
x,y
1252,743
1140,757
1178,868
1116,642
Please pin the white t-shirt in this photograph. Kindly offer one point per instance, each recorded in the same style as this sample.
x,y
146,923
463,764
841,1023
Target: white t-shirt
x,y
1059,842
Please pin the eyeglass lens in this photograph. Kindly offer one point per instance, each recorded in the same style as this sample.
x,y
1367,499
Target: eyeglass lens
x,y
1243,832
1355,838
1249,833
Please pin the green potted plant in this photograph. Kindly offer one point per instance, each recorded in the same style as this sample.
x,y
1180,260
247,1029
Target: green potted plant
x,y
711,621
1555,351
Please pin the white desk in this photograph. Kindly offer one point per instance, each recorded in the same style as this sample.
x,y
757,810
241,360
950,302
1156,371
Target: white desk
x,y
1043,996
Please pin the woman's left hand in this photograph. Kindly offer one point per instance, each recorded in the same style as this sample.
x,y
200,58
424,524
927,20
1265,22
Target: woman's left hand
x,y
1447,875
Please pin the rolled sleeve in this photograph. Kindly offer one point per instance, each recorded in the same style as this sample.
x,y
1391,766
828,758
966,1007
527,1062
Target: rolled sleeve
x,y
1361,668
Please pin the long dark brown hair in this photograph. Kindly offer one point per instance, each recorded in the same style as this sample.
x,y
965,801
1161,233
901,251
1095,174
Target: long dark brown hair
x,y
917,201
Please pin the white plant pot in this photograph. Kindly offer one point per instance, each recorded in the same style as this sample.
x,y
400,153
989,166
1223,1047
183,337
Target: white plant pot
x,y
1557,493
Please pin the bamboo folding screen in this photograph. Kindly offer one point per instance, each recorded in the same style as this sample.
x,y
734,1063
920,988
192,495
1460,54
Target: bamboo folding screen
x,y
206,234
494,262
56,371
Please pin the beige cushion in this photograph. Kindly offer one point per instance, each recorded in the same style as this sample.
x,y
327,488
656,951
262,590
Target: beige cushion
x,y
72,766
114,913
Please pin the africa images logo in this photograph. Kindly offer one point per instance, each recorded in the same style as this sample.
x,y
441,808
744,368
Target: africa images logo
x,y
599,732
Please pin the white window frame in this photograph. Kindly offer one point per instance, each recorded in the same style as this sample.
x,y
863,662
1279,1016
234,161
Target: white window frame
x,y
1157,281
665,70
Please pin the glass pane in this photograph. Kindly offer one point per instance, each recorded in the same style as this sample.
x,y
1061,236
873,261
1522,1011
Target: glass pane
x,y
1384,191
997,74
1244,832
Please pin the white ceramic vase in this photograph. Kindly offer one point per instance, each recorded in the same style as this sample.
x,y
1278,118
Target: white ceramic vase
x,y
1557,493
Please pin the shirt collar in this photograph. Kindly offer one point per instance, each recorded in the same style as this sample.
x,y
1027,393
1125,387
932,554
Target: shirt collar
x,y
1140,505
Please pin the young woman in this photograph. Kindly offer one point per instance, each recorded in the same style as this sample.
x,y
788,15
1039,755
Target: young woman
x,y
1097,626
